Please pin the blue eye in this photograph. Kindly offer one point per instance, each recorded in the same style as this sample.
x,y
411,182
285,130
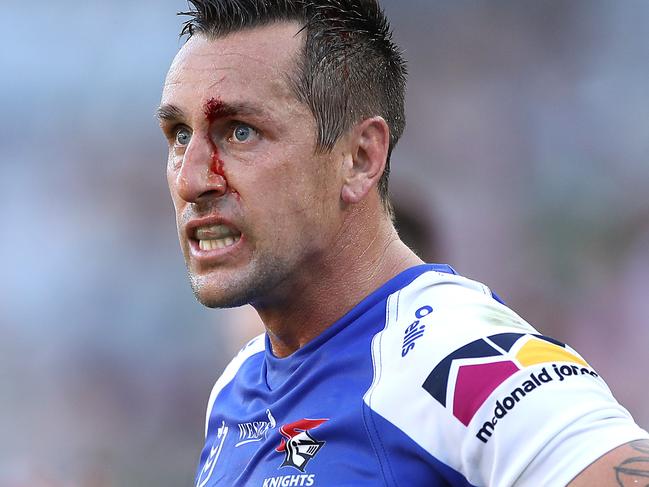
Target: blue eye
x,y
183,136
242,133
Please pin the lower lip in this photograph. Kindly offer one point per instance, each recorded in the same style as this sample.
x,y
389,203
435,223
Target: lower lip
x,y
216,255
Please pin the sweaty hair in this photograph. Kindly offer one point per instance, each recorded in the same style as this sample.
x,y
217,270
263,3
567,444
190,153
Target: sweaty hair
x,y
350,69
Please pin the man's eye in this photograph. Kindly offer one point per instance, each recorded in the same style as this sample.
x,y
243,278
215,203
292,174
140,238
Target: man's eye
x,y
183,136
242,133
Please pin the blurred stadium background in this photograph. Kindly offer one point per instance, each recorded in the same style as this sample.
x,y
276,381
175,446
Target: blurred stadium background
x,y
525,160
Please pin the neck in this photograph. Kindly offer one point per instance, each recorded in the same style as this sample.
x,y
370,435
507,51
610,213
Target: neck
x,y
365,253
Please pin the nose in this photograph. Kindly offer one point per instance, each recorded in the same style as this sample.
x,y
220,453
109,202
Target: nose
x,y
199,176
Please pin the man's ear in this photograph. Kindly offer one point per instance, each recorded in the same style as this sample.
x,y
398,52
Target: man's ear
x,y
364,165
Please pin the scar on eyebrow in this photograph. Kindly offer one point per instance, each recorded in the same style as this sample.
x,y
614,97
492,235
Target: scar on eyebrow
x,y
215,109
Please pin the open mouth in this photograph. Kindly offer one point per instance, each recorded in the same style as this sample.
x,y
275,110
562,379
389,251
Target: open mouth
x,y
215,237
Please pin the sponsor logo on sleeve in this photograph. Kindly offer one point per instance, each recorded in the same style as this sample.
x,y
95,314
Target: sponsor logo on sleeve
x,y
415,330
465,379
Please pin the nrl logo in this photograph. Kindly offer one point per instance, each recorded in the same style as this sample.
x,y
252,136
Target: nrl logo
x,y
215,452
298,445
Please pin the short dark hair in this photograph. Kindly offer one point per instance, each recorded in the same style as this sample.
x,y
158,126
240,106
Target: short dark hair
x,y
350,69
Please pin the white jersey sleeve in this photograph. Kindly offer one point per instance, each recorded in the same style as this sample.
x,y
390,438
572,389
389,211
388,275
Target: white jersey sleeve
x,y
478,388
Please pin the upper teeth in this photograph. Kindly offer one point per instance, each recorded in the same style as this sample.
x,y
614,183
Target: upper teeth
x,y
217,243
216,237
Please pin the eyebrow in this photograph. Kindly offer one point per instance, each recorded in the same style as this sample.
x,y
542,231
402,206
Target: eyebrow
x,y
169,113
172,113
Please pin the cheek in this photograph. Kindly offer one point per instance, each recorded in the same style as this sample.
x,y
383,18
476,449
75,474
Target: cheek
x,y
171,169
285,181
261,180
171,183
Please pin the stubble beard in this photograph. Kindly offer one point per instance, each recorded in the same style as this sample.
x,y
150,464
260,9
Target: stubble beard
x,y
247,286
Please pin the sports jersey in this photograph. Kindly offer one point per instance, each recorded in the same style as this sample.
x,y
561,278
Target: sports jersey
x,y
429,381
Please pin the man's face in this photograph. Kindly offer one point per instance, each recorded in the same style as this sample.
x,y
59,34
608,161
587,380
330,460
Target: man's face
x,y
256,208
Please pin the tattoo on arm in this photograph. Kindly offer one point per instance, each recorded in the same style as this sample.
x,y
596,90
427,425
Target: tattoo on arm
x,y
634,471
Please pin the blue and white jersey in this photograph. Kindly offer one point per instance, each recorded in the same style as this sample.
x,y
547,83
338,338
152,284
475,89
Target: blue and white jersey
x,y
429,381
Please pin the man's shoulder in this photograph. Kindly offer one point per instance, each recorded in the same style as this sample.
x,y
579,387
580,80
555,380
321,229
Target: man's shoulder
x,y
454,365
434,325
253,347
439,312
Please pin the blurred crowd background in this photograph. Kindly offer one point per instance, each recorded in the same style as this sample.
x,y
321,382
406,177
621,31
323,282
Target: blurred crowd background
x,y
524,165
